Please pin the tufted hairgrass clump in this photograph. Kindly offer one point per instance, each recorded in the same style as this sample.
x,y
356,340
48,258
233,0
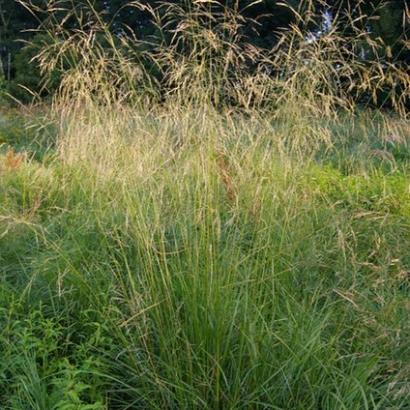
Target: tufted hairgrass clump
x,y
234,243
187,260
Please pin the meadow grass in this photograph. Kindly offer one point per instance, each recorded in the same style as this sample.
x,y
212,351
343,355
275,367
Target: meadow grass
x,y
179,259
241,242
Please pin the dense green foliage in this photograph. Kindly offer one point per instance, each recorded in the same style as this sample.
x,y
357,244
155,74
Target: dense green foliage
x,y
142,268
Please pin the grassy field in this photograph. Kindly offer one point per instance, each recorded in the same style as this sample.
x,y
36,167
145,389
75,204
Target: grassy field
x,y
194,259
199,223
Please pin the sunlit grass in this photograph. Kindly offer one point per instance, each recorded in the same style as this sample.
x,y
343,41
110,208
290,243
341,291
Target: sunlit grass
x,y
238,242
190,260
